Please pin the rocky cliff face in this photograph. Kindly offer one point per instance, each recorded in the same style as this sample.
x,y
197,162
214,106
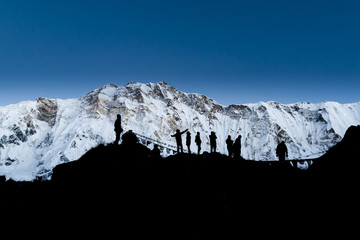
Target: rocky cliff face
x,y
47,110
37,136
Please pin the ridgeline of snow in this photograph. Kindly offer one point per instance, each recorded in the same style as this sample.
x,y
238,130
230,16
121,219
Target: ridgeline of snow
x,y
37,136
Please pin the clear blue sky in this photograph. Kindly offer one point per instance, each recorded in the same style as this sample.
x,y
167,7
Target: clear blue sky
x,y
232,51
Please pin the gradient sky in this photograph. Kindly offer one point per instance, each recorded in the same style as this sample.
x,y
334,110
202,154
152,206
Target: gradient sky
x,y
232,51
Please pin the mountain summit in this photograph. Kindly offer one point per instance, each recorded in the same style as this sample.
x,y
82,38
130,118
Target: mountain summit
x,y
36,136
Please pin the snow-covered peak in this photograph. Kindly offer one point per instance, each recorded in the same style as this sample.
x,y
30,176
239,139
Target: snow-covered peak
x,y
37,135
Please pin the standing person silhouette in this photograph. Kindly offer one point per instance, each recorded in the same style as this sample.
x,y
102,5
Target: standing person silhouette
x,y
117,128
237,147
281,151
198,141
177,136
229,145
188,141
156,151
212,142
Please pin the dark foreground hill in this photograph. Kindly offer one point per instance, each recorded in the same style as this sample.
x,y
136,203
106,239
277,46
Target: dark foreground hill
x,y
188,196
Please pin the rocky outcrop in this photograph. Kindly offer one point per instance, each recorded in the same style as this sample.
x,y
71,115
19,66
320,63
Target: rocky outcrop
x,y
47,110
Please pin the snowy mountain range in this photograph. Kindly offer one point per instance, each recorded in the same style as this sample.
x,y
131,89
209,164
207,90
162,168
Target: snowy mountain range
x,y
35,136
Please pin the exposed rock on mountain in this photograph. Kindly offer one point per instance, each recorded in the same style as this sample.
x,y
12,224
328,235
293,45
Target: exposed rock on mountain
x,y
47,110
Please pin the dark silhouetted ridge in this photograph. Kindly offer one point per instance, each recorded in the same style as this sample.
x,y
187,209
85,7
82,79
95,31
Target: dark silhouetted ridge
x,y
176,196
343,159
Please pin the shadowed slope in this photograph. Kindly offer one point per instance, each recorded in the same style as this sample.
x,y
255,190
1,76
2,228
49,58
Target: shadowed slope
x,y
174,197
342,160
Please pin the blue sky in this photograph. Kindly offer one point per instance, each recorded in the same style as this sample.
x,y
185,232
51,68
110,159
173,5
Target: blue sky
x,y
232,51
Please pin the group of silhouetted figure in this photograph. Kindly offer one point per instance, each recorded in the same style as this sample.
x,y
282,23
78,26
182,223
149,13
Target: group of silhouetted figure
x,y
198,142
233,147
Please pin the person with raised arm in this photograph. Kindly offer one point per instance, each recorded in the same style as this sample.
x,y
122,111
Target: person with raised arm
x,y
177,136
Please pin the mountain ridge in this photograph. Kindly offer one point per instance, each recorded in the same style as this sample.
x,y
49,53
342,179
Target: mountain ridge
x,y
38,135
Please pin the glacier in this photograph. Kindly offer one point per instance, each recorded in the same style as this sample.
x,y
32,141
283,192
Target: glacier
x,y
35,136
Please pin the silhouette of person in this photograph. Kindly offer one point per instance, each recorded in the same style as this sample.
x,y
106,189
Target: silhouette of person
x,y
188,141
130,138
198,141
156,151
212,142
281,151
229,145
177,136
117,128
237,147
